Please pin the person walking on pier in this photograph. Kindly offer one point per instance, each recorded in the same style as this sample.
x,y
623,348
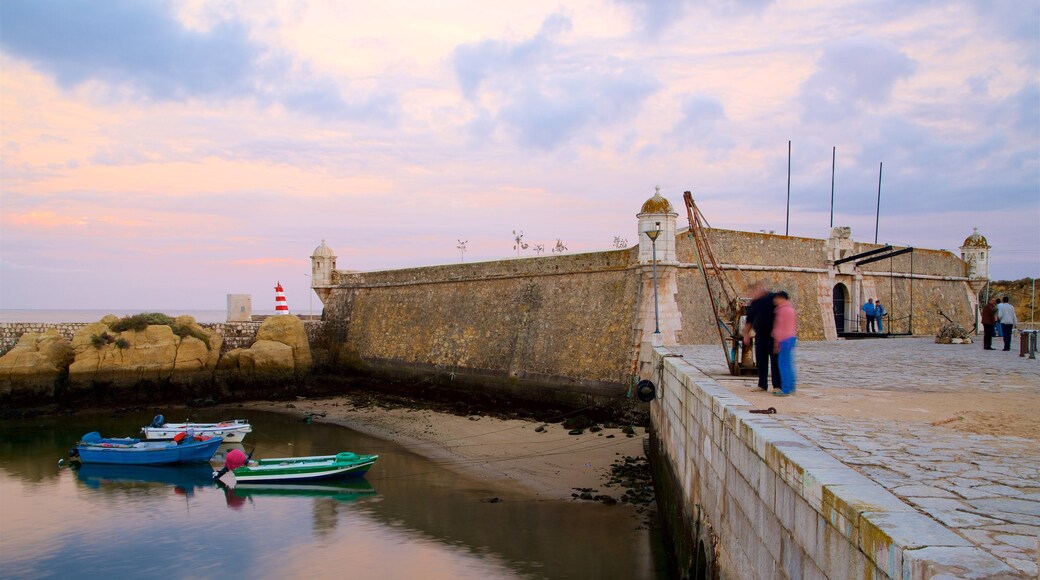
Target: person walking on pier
x,y
989,321
1008,320
784,341
879,315
760,319
869,310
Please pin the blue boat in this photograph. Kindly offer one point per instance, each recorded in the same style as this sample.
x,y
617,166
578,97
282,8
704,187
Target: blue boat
x,y
94,448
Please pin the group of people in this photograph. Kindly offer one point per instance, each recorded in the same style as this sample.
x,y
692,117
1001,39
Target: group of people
x,y
998,315
773,319
875,313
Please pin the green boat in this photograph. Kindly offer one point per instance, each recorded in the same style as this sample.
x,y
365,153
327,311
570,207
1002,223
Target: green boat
x,y
297,469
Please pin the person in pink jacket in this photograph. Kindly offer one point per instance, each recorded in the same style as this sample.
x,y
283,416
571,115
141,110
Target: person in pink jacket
x,y
784,332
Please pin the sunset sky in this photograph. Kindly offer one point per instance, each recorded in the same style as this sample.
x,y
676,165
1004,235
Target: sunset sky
x,y
163,155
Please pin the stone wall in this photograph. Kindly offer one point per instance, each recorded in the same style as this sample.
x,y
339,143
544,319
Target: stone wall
x,y
530,326
752,499
584,321
801,267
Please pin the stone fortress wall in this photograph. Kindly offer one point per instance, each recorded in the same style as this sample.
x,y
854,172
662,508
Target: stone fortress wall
x,y
546,322
584,323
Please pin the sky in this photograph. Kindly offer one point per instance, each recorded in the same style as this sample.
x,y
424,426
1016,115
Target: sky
x,y
166,154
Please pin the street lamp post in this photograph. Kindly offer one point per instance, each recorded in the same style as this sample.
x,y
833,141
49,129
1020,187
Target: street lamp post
x,y
653,234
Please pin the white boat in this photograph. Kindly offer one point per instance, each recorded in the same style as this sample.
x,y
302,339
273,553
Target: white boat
x,y
233,431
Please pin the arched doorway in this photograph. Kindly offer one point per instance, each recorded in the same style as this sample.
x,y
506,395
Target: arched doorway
x,y
841,299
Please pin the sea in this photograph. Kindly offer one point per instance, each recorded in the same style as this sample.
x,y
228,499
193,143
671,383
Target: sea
x,y
93,315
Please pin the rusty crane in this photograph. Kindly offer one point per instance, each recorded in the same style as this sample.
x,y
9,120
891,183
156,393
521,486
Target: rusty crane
x,y
726,304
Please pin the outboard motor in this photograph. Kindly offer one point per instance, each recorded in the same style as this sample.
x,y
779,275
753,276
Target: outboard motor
x,y
158,421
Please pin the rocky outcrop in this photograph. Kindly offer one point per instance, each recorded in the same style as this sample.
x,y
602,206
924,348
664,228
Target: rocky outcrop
x,y
33,367
281,351
181,352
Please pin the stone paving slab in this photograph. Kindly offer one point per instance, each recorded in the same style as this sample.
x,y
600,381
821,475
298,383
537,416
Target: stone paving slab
x,y
984,488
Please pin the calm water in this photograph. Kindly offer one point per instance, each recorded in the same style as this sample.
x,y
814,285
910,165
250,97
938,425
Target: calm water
x,y
408,518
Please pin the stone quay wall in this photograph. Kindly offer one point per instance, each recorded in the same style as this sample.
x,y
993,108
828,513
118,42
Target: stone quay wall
x,y
749,498
545,328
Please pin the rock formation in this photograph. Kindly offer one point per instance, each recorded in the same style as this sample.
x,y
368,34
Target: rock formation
x,y
183,351
31,369
281,351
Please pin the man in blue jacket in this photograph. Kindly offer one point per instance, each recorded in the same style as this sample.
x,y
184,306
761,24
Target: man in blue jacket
x,y
870,311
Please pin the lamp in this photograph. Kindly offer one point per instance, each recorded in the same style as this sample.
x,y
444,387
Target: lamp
x,y
653,235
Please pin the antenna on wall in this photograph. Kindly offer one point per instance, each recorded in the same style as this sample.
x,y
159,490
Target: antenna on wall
x,y
834,158
787,227
877,216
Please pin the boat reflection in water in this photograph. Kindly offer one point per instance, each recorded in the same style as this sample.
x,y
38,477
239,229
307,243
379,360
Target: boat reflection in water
x,y
146,478
347,490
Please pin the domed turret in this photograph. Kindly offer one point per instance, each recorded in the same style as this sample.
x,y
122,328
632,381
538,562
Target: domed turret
x,y
657,204
323,265
656,214
323,251
975,253
975,240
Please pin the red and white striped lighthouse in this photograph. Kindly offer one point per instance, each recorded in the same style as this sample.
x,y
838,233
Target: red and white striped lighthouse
x,y
280,305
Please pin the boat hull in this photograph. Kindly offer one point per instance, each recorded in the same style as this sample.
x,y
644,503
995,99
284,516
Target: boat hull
x,y
304,469
135,452
232,431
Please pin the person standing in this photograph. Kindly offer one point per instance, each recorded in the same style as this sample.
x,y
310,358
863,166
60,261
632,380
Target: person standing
x,y
1008,320
989,321
760,319
784,341
879,314
869,311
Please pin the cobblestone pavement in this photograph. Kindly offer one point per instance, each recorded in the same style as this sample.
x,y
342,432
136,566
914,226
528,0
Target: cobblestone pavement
x,y
986,488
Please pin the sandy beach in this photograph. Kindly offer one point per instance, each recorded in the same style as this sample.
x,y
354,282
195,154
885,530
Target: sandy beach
x,y
540,458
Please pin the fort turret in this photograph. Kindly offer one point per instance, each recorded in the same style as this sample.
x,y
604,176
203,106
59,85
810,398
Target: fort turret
x,y
975,253
657,213
323,267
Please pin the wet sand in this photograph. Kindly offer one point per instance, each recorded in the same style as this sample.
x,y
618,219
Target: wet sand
x,y
548,463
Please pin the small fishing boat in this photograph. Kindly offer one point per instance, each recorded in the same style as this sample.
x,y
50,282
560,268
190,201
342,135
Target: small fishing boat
x,y
93,448
297,469
233,431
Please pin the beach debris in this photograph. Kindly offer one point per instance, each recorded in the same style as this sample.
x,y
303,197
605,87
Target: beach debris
x,y
945,421
492,500
575,431
953,333
633,473
539,429
578,422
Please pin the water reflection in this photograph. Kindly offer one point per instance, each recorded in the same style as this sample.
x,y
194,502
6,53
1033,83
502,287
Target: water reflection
x,y
408,518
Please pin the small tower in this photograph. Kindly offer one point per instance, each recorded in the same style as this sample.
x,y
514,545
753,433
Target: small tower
x,y
280,304
323,266
657,214
975,253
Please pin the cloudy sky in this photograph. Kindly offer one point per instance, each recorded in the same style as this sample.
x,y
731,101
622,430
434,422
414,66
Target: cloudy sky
x,y
162,155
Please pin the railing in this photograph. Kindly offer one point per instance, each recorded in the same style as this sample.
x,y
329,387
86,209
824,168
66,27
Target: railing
x,y
889,324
